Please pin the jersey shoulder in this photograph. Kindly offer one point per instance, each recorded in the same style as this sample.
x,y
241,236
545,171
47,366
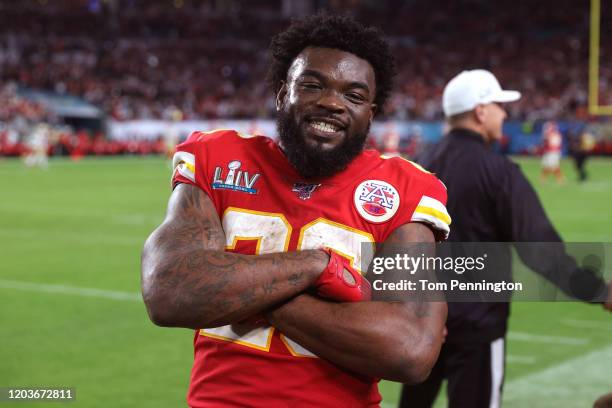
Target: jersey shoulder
x,y
217,144
225,137
415,174
428,195
203,149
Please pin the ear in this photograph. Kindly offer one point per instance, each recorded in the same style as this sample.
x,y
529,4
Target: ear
x,y
280,96
373,110
480,113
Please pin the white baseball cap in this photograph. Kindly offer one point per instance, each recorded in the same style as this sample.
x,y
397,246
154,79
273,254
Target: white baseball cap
x,y
471,88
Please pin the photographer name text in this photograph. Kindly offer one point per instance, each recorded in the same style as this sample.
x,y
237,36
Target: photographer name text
x,y
453,285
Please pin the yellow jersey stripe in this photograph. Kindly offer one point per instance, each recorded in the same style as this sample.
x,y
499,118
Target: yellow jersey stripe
x,y
190,166
434,213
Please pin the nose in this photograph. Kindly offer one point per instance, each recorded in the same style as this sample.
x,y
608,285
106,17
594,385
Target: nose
x,y
331,101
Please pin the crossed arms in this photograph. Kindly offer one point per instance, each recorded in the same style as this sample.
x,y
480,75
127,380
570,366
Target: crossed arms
x,y
188,280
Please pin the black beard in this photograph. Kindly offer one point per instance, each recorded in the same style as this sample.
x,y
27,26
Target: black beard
x,y
314,162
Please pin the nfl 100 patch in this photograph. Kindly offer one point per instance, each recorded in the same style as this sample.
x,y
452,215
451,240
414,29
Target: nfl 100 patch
x,y
304,190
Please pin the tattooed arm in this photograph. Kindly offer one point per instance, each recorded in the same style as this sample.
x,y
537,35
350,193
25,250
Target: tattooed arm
x,y
189,281
397,341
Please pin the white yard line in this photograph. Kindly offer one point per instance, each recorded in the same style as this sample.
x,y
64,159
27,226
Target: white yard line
x,y
542,338
129,218
577,382
70,290
516,359
32,236
587,324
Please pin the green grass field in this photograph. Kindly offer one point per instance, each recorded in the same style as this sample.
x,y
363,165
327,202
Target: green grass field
x,y
71,315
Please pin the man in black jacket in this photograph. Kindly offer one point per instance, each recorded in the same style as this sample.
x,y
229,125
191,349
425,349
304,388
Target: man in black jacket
x,y
491,201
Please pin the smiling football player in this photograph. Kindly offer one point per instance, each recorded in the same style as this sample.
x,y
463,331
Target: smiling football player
x,y
261,248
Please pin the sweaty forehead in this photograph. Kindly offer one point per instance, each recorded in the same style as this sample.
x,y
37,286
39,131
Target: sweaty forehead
x,y
333,64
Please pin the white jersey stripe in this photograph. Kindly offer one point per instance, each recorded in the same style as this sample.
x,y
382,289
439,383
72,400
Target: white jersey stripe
x,y
433,203
431,220
184,163
433,212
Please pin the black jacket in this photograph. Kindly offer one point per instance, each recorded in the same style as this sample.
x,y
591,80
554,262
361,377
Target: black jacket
x,y
490,200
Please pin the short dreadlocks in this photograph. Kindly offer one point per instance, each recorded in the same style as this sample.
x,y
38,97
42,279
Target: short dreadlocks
x,y
339,32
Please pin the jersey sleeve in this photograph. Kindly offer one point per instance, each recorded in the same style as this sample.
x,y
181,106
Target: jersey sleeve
x,y
189,163
431,208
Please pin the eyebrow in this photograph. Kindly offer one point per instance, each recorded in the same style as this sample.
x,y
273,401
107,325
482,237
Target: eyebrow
x,y
321,77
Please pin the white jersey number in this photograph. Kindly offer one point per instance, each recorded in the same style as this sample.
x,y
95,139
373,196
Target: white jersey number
x,y
272,233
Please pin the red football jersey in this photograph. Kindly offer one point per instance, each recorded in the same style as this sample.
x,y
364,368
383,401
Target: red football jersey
x,y
265,206
552,139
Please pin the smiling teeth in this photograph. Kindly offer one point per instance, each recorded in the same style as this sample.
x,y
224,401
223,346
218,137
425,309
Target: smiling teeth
x,y
324,127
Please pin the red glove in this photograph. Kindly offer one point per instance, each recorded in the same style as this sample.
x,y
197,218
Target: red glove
x,y
341,282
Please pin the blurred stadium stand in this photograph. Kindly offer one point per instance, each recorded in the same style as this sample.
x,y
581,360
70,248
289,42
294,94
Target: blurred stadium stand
x,y
187,60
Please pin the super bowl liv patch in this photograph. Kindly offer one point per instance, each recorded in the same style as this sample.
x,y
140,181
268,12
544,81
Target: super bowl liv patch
x,y
236,180
376,200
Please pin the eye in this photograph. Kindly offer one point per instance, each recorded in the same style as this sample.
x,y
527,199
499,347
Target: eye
x,y
355,97
311,86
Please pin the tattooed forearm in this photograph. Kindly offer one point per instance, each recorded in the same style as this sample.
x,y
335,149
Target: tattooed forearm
x,y
189,281
295,279
247,297
269,287
380,339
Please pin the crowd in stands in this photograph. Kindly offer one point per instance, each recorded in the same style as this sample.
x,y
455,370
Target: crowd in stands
x,y
21,119
140,59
